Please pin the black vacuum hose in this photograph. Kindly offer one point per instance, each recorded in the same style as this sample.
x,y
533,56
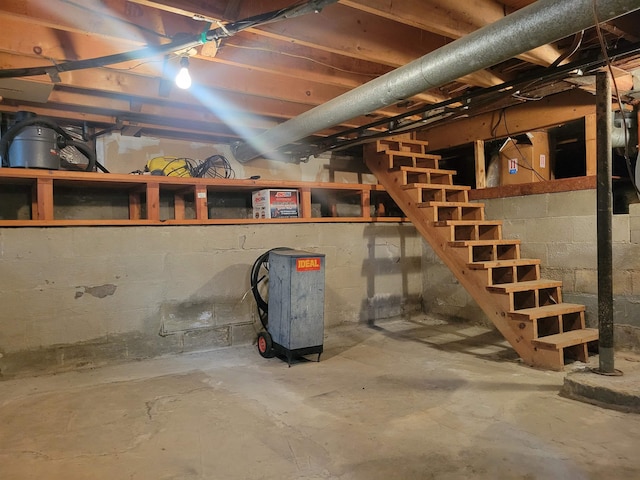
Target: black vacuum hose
x,y
256,279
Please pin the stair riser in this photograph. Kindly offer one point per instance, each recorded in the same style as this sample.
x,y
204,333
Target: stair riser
x,y
442,214
492,253
423,195
534,298
432,178
472,232
518,273
398,160
541,327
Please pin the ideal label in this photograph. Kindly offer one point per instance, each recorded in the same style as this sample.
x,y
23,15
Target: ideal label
x,y
306,264
513,166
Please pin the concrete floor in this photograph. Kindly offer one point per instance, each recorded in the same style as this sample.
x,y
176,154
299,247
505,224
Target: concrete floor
x,y
403,399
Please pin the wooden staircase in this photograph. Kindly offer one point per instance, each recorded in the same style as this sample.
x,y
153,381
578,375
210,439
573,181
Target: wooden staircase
x,y
527,310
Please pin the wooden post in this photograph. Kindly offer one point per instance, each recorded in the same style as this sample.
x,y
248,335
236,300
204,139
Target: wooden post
x,y
305,202
153,201
365,203
44,199
178,205
481,174
135,206
590,144
201,202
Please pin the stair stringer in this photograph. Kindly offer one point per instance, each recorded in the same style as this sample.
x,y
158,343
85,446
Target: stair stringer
x,y
496,307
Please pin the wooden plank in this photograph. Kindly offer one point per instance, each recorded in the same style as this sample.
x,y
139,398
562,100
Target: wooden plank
x,y
562,185
481,174
546,311
566,339
549,111
305,202
524,286
504,263
135,205
427,170
44,199
480,243
365,204
178,206
200,200
153,201
590,143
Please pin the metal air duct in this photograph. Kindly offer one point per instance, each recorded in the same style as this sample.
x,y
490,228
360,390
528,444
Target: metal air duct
x,y
542,22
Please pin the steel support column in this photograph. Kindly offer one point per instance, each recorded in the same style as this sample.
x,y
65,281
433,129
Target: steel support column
x,y
604,221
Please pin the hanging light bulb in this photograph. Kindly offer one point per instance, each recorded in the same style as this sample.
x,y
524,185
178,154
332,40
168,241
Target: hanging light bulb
x,y
183,79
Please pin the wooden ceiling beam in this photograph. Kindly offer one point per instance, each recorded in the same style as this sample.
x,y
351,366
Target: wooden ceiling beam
x,y
550,111
108,18
453,19
360,36
207,78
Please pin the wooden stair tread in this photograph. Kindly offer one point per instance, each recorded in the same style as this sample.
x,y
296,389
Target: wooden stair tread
x,y
546,311
524,286
479,243
449,223
452,204
385,143
396,153
503,263
426,170
435,186
567,339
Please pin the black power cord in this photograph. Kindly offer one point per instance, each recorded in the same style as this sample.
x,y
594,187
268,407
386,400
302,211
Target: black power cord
x,y
260,276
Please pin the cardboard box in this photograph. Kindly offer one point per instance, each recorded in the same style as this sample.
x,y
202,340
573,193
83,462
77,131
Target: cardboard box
x,y
525,161
276,203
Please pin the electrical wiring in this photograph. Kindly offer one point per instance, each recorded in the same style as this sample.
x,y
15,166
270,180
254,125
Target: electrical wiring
x,y
215,166
176,45
502,116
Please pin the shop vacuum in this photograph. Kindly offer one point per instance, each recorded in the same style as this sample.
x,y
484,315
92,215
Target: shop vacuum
x,y
38,142
288,286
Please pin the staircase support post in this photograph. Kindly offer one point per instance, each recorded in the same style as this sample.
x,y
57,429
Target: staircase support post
x,y
604,222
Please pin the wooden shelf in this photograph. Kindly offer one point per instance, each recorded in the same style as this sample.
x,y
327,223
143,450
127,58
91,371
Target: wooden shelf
x,y
157,200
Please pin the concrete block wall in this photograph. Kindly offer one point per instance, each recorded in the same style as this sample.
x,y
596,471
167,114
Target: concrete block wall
x,y
560,230
88,295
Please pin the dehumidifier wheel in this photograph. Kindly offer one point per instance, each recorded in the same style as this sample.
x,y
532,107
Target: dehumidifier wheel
x,y
265,345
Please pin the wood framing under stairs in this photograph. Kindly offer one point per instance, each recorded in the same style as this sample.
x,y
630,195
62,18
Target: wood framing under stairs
x,y
526,309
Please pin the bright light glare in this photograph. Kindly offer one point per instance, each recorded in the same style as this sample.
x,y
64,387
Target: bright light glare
x,y
183,79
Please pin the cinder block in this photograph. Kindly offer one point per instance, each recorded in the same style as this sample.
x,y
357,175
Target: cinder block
x,y
622,283
196,340
549,230
566,276
635,282
626,256
621,226
584,229
244,334
515,229
529,206
568,204
586,281
494,208
186,316
536,250
572,255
